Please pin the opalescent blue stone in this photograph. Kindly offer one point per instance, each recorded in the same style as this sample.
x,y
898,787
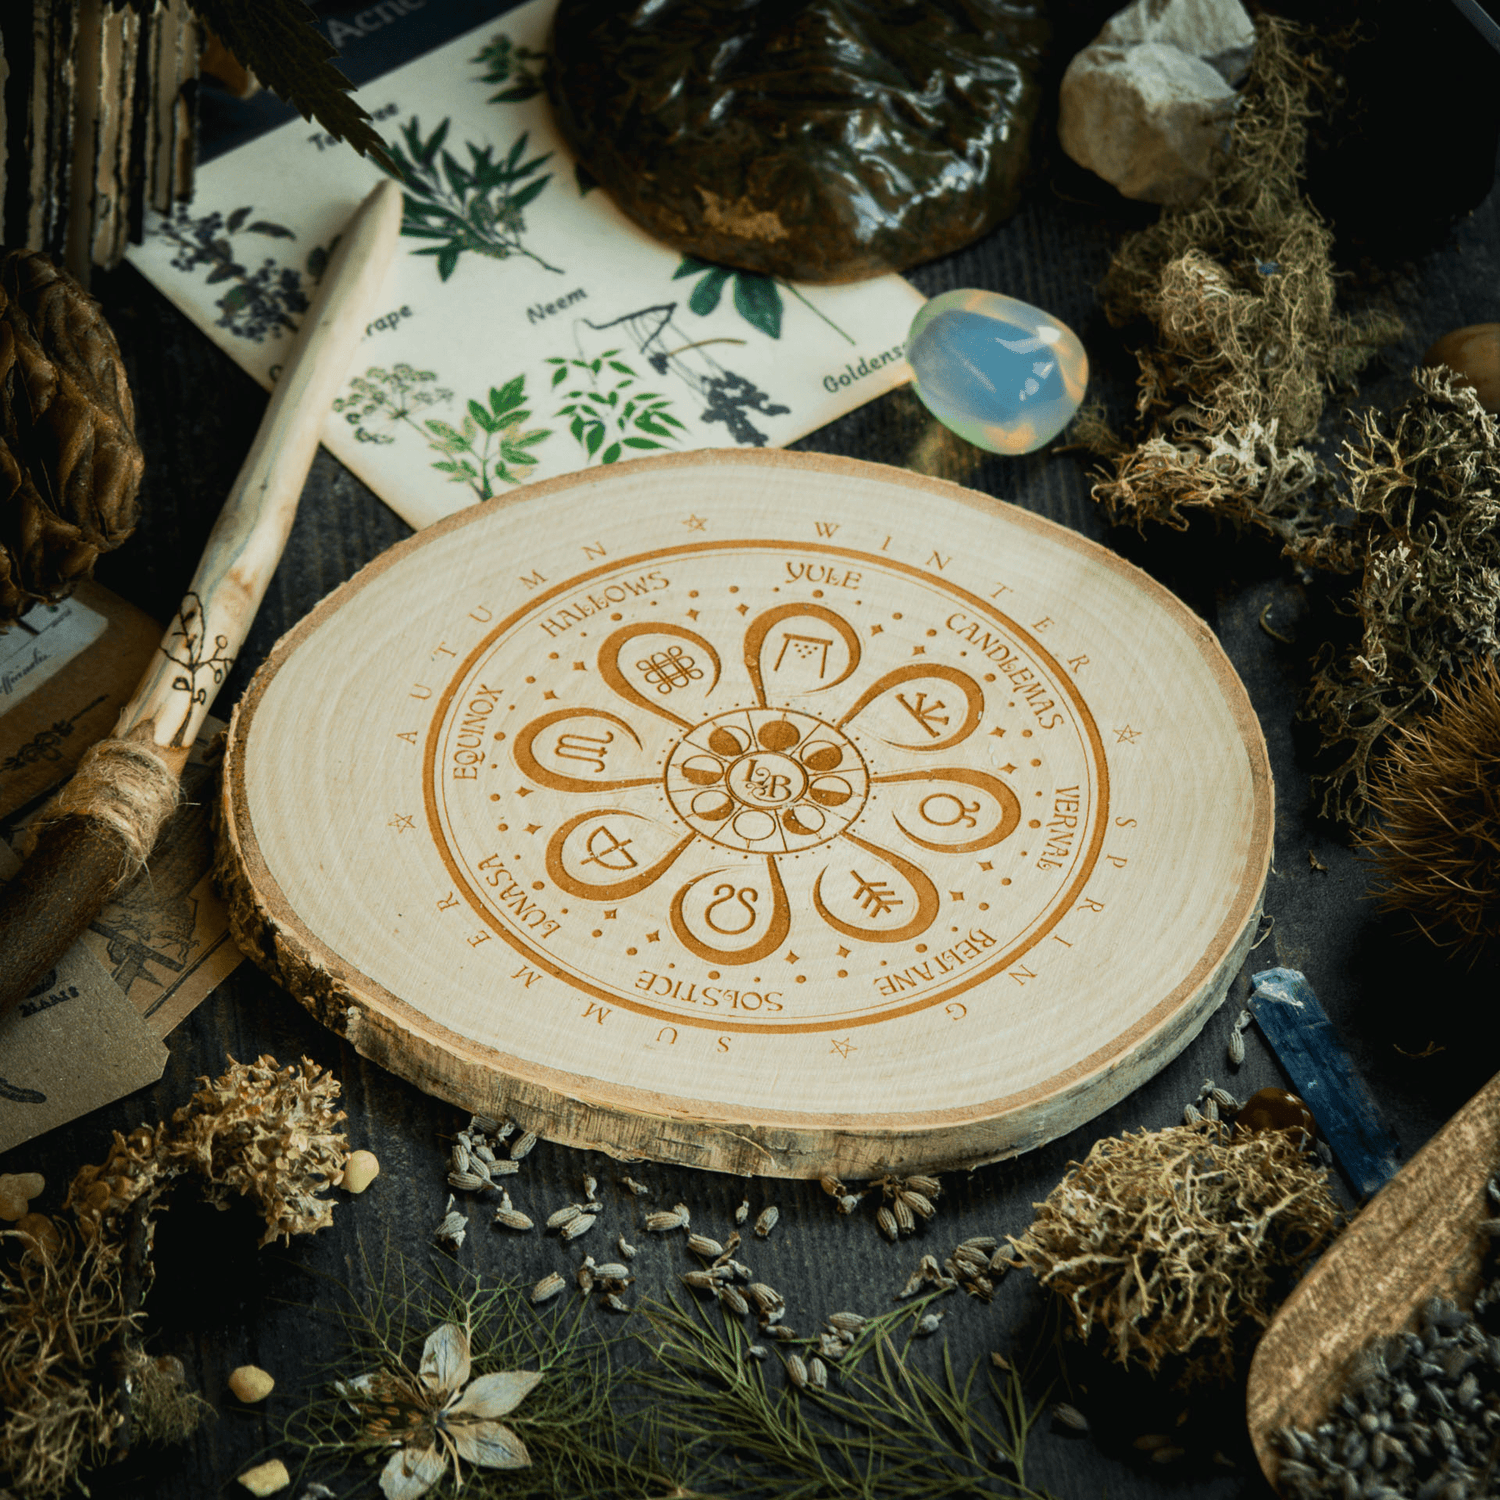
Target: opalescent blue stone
x,y
999,372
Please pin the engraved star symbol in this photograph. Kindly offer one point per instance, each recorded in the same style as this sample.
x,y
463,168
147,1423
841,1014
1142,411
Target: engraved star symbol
x,y
578,666
692,614
401,822
984,864
919,650
997,734
844,1048
610,915
1127,735
877,630
533,827
1007,769
653,937
843,953
694,523
955,895
549,694
743,609
792,958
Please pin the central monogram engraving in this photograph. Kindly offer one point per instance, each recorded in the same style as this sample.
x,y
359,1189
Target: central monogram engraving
x,y
767,781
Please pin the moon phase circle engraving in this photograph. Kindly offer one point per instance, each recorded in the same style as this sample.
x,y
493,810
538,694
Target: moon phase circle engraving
x,y
722,781
801,838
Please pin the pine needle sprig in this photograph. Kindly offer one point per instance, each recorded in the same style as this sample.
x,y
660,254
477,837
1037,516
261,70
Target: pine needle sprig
x,y
883,1429
572,1422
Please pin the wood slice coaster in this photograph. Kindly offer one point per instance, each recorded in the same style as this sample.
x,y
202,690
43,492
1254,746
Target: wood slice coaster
x,y
766,812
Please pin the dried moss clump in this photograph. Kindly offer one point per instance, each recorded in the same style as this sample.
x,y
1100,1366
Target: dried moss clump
x,y
1425,482
76,1388
1238,289
1180,1242
1436,801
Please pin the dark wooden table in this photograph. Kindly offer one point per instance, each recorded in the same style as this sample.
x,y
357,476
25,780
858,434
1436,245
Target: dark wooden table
x,y
1408,1017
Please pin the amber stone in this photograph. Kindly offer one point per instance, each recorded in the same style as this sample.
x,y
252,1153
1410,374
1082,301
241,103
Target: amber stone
x,y
823,141
1275,1109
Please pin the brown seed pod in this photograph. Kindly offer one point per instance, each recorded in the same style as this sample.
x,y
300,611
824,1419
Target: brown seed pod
x,y
1436,799
70,467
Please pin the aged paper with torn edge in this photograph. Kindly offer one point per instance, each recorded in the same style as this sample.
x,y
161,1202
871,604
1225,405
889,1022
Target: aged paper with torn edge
x,y
530,329
73,1044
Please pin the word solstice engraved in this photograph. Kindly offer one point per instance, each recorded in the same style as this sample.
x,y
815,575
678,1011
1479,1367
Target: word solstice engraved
x,y
785,846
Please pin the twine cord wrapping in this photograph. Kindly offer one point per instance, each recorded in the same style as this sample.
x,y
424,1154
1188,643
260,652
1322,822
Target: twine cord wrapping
x,y
125,786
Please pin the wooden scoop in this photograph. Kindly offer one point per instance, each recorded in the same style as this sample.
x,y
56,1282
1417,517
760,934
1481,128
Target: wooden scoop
x,y
1417,1238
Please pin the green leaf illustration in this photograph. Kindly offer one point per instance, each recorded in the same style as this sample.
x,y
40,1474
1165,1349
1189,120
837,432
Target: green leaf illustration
x,y
757,299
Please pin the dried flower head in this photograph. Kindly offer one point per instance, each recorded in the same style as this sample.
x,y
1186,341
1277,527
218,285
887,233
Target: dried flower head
x,y
1177,1242
270,1133
439,1416
1436,798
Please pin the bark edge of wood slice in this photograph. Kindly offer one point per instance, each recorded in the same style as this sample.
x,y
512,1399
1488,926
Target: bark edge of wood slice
x,y
842,820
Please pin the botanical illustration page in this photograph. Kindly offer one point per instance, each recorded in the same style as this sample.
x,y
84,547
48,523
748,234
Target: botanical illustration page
x,y
529,329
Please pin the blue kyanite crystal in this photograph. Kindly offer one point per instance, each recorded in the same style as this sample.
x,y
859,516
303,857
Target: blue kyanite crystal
x,y
999,372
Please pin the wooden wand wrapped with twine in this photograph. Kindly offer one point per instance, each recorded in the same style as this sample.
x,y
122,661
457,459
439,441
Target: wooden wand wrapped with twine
x,y
100,828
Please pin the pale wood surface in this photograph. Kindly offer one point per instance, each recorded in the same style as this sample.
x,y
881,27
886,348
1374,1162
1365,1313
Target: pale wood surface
x,y
702,809
1417,1238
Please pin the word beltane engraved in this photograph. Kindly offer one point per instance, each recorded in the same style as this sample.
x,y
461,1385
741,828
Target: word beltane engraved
x,y
740,806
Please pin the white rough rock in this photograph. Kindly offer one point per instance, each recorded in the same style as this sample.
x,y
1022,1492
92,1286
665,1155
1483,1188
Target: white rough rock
x,y
1147,103
1148,119
1218,32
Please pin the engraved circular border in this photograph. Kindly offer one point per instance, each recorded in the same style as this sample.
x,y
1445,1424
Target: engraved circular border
x,y
1085,869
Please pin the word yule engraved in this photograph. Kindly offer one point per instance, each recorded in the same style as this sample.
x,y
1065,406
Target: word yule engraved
x,y
702,787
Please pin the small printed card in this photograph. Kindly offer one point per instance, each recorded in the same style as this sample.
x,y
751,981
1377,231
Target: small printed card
x,y
529,329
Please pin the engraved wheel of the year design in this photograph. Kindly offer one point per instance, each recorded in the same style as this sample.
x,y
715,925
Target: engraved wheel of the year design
x,y
759,811
770,790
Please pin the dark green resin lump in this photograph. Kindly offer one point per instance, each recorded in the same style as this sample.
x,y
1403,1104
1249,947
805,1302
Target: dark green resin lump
x,y
824,141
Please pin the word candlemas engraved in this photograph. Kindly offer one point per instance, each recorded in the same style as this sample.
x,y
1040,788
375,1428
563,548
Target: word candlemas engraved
x,y
727,785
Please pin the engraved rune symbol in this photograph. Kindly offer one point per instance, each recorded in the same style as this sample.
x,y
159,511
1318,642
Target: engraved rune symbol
x,y
672,668
874,896
804,648
924,713
614,855
589,748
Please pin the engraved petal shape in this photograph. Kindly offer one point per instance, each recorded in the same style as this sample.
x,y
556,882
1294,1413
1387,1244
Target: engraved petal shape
x,y
935,718
602,847
801,649
945,807
734,905
589,750
664,677
872,897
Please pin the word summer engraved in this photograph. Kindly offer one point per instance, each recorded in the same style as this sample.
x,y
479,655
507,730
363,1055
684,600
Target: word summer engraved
x,y
724,789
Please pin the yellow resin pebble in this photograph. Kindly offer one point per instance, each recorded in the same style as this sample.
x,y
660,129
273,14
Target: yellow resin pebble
x,y
266,1478
360,1171
42,1231
251,1383
17,1189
